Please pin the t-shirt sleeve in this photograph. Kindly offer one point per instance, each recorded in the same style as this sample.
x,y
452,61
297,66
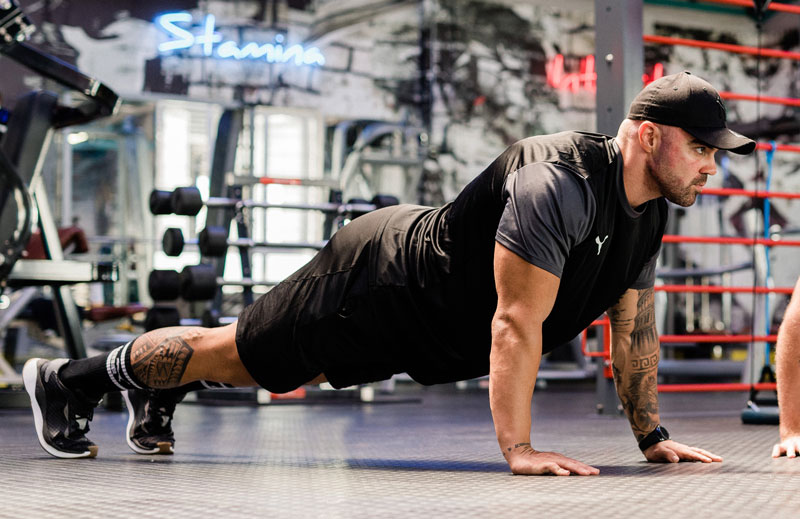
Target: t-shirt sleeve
x,y
647,277
549,209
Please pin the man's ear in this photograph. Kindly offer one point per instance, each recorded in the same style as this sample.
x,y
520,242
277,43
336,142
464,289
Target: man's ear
x,y
649,136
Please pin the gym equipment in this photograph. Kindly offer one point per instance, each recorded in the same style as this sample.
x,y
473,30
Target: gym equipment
x,y
161,316
188,201
200,282
25,143
193,283
164,285
15,28
249,180
213,242
14,240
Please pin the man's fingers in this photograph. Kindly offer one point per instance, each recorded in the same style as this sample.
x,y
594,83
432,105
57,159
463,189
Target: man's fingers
x,y
792,449
694,455
582,469
553,463
777,450
673,452
666,455
555,468
710,455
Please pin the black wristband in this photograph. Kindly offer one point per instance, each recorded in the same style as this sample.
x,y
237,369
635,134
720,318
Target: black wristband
x,y
659,434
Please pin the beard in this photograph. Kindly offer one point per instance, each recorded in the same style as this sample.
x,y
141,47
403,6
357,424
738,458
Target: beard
x,y
670,186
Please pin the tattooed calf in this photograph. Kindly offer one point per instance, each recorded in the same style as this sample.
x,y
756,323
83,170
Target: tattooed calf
x,y
161,365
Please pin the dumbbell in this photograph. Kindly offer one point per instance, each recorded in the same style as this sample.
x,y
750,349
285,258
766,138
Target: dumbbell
x,y
160,316
193,283
213,242
188,201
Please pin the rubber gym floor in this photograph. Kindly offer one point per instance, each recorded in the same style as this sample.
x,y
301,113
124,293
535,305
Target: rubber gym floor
x,y
435,457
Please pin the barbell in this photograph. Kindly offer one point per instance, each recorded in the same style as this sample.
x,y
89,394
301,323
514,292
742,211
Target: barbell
x,y
213,242
188,201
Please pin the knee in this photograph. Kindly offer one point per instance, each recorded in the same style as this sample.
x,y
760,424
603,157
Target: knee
x,y
217,356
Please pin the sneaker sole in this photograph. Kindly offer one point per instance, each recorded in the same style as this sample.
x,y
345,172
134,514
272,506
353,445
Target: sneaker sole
x,y
30,376
161,447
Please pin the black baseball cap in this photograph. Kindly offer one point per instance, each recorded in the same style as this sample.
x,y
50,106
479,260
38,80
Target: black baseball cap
x,y
688,102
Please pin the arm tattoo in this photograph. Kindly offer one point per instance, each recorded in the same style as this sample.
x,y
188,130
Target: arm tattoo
x,y
644,337
635,362
643,364
159,359
526,448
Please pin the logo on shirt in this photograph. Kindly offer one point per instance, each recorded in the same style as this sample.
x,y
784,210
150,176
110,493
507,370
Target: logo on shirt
x,y
600,243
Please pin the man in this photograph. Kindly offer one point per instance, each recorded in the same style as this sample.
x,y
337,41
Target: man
x,y
555,231
787,364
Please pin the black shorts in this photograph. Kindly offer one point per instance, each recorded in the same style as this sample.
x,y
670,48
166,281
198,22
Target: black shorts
x,y
322,318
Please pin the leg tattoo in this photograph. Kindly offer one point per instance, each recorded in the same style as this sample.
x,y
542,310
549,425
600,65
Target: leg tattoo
x,y
159,361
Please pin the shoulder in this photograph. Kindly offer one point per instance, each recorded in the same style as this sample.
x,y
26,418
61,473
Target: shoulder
x,y
542,181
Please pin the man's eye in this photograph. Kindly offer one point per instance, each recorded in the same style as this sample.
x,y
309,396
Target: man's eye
x,y
701,150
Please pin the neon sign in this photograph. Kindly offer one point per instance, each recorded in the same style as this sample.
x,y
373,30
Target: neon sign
x,y
586,76
212,44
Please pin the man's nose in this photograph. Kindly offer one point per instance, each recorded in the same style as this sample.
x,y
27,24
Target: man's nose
x,y
710,166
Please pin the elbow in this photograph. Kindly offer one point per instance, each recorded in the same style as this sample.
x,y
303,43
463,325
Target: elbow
x,y
510,329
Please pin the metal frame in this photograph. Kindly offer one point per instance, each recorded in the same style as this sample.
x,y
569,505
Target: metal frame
x,y
26,144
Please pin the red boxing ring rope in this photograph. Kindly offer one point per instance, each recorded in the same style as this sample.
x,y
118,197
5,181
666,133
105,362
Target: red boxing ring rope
x,y
725,339
674,238
788,101
727,47
709,289
786,8
778,147
280,181
745,192
696,388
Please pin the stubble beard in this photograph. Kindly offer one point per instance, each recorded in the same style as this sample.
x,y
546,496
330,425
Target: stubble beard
x,y
670,188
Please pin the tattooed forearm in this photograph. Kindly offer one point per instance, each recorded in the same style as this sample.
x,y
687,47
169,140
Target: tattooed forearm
x,y
159,358
644,364
639,399
635,355
644,338
622,314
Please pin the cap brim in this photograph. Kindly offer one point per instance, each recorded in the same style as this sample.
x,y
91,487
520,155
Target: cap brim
x,y
724,139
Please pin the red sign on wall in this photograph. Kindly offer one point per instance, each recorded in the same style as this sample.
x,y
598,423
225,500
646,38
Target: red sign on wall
x,y
585,78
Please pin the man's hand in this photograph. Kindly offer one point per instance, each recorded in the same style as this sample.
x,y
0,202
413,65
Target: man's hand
x,y
524,460
790,447
672,452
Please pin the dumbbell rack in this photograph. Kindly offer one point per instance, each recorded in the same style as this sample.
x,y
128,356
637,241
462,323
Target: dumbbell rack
x,y
242,231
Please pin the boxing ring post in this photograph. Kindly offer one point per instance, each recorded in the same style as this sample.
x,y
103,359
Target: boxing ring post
x,y
619,59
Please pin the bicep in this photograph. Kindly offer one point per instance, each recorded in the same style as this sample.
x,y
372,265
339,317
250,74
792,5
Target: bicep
x,y
525,292
548,210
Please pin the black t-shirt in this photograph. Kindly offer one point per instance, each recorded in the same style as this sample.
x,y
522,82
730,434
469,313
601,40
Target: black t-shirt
x,y
549,210
555,200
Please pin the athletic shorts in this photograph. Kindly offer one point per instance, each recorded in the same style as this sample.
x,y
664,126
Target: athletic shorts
x,y
322,318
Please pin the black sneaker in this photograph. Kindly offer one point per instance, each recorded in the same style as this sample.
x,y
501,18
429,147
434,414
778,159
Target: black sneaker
x,y
61,416
149,428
